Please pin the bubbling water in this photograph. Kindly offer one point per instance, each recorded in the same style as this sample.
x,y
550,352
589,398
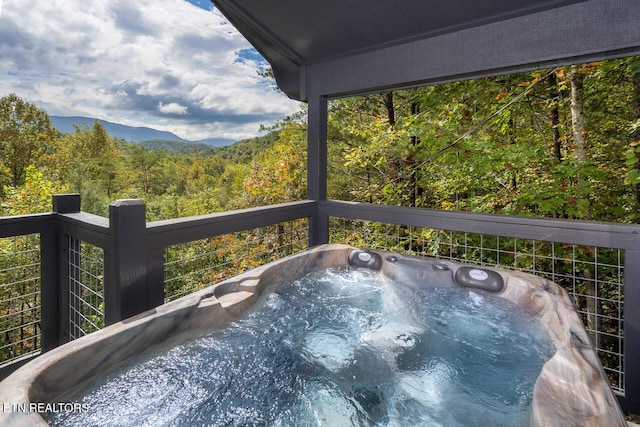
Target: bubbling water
x,y
338,347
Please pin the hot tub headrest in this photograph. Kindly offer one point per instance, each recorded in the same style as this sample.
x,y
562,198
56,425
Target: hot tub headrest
x,y
360,258
479,278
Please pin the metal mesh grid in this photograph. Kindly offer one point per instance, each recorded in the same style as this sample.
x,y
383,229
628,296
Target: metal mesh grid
x,y
593,276
86,288
19,297
196,265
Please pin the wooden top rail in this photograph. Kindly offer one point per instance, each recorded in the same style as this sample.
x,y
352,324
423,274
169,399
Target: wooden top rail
x,y
603,234
183,230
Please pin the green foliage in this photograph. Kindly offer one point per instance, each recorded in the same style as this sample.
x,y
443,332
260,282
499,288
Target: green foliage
x,y
246,150
631,161
26,137
279,173
501,144
32,197
174,147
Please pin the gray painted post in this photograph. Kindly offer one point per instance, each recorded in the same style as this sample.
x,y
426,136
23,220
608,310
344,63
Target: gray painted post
x,y
155,276
631,400
317,167
49,321
57,293
66,203
125,282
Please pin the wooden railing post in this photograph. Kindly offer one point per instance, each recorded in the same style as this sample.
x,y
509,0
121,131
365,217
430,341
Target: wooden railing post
x,y
127,290
55,276
631,401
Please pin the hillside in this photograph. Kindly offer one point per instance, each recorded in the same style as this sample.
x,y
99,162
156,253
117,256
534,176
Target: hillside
x,y
246,149
173,147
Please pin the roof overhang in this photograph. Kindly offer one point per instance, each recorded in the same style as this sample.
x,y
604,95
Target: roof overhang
x,y
341,47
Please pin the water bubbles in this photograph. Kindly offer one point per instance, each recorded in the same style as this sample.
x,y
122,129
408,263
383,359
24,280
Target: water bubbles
x,y
328,349
391,336
326,405
476,300
340,347
405,340
274,301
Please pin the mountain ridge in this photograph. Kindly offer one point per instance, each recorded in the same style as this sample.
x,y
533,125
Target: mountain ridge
x,y
130,133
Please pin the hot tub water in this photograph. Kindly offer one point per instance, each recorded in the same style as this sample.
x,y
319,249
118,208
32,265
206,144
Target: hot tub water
x,y
338,347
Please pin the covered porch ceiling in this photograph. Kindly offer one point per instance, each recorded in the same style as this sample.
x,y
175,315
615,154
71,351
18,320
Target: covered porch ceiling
x,y
335,48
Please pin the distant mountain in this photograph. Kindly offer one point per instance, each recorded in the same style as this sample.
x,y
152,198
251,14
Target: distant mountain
x,y
129,133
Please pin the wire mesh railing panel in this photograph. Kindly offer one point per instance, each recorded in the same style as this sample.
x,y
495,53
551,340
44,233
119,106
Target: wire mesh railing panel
x,y
86,288
195,265
593,276
20,305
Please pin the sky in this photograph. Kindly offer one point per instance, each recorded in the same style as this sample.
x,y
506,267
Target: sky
x,y
172,65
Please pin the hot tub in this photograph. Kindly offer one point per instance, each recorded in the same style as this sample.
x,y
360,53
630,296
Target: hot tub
x,y
571,388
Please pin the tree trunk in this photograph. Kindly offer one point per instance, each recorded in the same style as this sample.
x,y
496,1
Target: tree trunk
x,y
555,116
512,141
410,163
579,132
580,153
577,114
391,112
369,184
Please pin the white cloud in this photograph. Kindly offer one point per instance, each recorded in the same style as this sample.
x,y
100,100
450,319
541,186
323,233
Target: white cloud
x,y
159,63
173,108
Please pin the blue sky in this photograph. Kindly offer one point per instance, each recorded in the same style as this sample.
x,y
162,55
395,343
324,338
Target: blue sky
x,y
174,65
204,4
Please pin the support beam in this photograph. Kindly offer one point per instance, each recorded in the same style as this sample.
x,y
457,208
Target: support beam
x,y
317,148
631,369
317,167
126,290
592,30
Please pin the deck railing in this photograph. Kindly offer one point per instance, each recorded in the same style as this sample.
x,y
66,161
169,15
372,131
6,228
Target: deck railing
x,y
68,273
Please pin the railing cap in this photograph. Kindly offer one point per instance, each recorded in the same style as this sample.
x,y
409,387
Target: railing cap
x,y
127,202
66,203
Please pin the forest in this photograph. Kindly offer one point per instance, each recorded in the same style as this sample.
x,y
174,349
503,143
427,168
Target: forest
x,y
561,142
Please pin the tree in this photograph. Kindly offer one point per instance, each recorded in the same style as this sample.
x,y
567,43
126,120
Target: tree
x,y
89,161
634,150
146,167
502,144
279,174
104,167
32,197
26,135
